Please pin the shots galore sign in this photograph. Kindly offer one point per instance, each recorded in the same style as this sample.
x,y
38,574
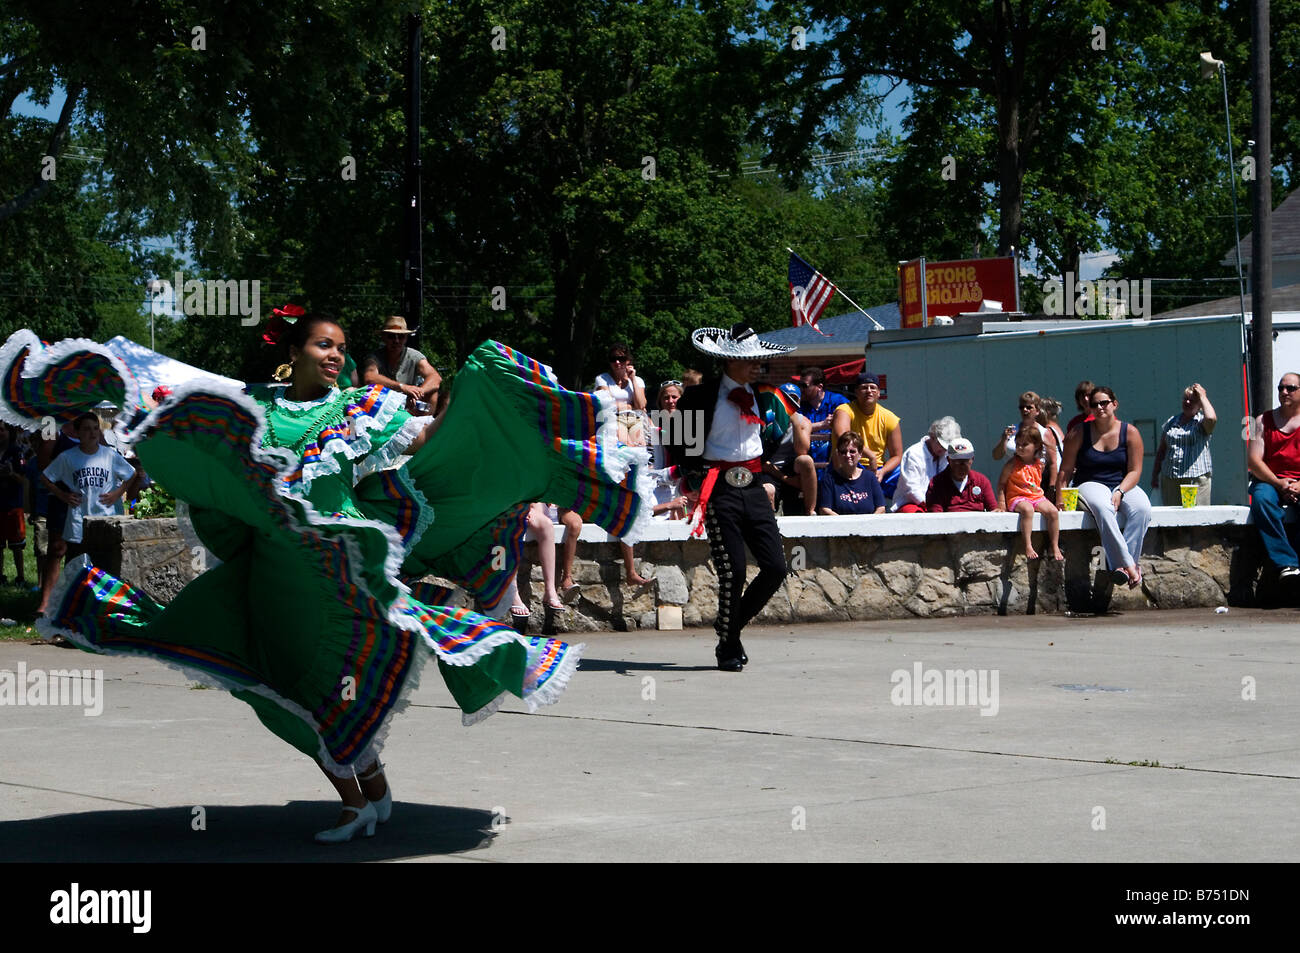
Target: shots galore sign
x,y
952,287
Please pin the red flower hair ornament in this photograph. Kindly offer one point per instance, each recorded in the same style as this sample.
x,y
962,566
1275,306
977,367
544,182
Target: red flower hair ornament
x,y
280,320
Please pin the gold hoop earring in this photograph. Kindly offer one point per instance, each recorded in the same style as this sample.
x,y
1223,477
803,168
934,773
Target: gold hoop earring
x,y
283,372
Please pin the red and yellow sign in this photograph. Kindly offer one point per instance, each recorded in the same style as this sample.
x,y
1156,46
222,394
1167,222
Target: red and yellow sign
x,y
952,287
911,293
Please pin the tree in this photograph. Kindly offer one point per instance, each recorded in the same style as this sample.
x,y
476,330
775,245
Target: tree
x,y
69,268
1015,57
557,144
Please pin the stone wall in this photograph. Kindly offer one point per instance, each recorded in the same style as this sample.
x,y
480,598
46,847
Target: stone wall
x,y
874,567
150,554
894,577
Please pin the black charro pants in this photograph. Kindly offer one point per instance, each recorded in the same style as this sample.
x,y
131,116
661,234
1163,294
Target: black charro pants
x,y
737,517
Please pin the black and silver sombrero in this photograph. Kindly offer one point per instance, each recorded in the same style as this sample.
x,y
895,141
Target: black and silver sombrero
x,y
738,344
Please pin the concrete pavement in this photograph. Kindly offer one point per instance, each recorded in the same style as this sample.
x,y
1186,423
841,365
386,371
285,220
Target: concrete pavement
x,y
653,755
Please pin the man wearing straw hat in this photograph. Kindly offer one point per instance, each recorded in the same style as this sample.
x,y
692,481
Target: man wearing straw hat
x,y
725,499
398,367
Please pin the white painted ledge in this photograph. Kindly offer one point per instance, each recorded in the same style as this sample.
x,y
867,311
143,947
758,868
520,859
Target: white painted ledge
x,y
931,524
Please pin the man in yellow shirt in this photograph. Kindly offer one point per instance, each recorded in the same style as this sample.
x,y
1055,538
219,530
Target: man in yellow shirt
x,y
876,425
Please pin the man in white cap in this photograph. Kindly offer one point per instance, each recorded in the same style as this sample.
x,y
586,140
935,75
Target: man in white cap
x,y
398,367
958,488
723,493
922,461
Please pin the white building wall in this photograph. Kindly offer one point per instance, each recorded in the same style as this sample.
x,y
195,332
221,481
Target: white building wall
x,y
978,378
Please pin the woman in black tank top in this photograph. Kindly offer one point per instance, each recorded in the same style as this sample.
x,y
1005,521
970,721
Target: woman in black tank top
x,y
1103,459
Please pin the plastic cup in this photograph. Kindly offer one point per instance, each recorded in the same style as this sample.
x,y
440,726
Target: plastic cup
x,y
1070,499
1188,492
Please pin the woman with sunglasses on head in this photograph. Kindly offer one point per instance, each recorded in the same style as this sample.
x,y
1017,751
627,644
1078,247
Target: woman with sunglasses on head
x,y
311,612
1103,458
670,504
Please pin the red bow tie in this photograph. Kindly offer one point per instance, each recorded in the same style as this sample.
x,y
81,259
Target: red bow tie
x,y
745,401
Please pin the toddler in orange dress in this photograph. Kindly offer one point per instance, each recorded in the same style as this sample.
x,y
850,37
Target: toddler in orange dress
x,y
1020,490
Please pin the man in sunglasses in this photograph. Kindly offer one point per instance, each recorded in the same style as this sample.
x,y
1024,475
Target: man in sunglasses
x,y
818,405
1273,459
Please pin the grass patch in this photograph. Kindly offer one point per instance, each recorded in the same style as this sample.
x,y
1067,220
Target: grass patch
x,y
19,602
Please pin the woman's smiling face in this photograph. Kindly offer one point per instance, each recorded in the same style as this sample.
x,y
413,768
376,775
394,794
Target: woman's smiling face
x,y
320,360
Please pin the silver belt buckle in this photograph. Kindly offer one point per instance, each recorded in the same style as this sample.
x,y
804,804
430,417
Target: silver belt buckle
x,y
740,476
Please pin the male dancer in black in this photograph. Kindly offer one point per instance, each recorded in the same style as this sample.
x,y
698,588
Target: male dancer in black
x,y
736,511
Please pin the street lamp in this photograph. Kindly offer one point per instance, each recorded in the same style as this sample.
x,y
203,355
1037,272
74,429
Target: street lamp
x,y
1210,66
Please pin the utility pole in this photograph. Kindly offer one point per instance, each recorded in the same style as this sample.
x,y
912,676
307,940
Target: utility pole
x,y
412,194
1261,251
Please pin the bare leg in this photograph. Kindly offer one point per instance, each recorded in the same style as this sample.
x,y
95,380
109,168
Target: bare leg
x,y
544,531
518,607
572,523
1026,511
629,568
806,470
1052,519
50,574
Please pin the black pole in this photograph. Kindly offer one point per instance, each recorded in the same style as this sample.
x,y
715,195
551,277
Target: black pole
x,y
412,196
1261,251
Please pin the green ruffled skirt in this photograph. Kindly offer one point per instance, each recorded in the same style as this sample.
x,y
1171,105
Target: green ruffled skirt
x,y
308,616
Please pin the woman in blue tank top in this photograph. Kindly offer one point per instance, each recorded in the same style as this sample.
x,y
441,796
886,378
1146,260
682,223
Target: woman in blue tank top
x,y
1103,459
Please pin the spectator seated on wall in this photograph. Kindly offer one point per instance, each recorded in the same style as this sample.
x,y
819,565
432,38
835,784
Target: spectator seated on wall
x,y
959,489
882,437
1273,458
1103,459
921,461
845,488
818,405
788,468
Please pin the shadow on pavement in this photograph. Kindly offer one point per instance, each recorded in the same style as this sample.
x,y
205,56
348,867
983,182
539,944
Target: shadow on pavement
x,y
623,666
242,834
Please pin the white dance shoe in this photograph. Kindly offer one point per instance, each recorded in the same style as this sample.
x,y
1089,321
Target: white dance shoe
x,y
365,820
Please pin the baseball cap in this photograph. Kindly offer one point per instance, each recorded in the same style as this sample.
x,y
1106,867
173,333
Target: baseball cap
x,y
961,449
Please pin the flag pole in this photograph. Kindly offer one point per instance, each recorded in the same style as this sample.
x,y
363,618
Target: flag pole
x,y
879,326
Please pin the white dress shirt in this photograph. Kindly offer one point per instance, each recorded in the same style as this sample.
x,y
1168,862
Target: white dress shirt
x,y
730,437
915,472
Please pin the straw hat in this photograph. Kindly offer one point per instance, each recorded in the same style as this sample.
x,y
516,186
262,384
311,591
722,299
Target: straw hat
x,y
396,325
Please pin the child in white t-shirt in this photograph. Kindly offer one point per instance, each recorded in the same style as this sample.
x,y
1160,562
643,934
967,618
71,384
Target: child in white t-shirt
x,y
98,474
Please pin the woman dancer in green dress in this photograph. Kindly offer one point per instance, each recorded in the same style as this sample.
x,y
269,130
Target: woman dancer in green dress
x,y
309,609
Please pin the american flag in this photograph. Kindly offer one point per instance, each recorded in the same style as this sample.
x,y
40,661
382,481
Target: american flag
x,y
810,292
